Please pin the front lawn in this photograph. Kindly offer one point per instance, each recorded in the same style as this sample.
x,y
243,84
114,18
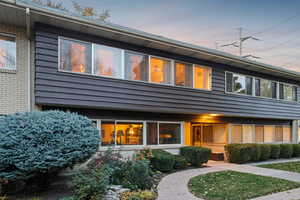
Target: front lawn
x,y
288,166
231,185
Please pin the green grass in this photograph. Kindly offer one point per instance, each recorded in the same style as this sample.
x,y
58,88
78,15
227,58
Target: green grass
x,y
231,185
288,166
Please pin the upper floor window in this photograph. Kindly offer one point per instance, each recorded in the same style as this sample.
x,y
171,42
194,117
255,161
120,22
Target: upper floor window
x,y
101,60
202,77
107,61
7,51
136,66
75,56
243,84
287,92
183,74
266,88
238,83
160,70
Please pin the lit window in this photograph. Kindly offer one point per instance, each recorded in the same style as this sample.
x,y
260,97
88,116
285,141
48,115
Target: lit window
x,y
107,61
7,52
75,56
160,70
128,133
136,66
169,133
259,134
202,77
183,74
108,133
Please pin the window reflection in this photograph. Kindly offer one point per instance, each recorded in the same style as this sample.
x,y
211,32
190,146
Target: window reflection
x,y
183,74
152,133
169,133
7,52
202,77
107,61
75,56
136,66
129,133
160,70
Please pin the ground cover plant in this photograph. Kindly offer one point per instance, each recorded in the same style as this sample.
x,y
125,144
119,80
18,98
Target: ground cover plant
x,y
287,166
231,185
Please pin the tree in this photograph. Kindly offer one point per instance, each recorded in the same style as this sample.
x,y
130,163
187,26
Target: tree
x,y
36,144
85,11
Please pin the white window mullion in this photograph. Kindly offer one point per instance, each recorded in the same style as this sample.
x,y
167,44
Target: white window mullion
x,y
123,64
93,67
193,66
158,133
144,133
149,69
115,133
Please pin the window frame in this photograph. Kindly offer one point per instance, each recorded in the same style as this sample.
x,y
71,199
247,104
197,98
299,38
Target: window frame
x,y
124,68
253,88
170,73
15,68
144,122
79,41
289,84
210,77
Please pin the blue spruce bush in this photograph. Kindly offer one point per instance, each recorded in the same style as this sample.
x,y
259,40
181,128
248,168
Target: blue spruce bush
x,y
36,143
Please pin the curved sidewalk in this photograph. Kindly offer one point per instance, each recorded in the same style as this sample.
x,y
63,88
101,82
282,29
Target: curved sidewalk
x,y
174,186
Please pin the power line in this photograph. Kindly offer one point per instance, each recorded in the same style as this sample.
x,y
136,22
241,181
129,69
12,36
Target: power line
x,y
275,25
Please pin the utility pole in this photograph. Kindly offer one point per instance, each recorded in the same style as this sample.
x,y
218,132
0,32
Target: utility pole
x,y
240,39
239,43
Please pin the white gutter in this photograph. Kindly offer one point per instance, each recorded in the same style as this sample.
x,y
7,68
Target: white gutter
x,y
28,35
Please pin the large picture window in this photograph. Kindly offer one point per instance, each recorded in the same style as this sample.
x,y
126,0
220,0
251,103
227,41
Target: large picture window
x,y
75,56
7,51
114,132
136,66
107,61
160,70
183,74
202,77
169,133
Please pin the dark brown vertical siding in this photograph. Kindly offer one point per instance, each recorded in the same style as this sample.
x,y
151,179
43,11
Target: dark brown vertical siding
x,y
74,90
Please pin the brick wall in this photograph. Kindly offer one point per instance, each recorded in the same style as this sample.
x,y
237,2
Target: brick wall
x,y
14,84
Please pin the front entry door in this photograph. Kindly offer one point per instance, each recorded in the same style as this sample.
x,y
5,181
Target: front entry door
x,y
202,133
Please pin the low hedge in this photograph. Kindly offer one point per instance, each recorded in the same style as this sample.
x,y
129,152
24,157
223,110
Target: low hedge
x,y
296,148
239,153
242,153
275,151
162,160
286,150
265,152
180,162
196,156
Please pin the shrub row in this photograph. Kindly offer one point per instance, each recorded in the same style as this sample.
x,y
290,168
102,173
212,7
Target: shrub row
x,y
242,153
164,161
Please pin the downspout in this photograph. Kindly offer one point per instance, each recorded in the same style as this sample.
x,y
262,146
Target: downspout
x,y
28,35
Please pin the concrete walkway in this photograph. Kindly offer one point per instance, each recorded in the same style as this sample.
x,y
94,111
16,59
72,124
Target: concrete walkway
x,y
174,186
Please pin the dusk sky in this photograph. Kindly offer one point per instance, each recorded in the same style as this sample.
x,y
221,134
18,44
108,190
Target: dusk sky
x,y
212,23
